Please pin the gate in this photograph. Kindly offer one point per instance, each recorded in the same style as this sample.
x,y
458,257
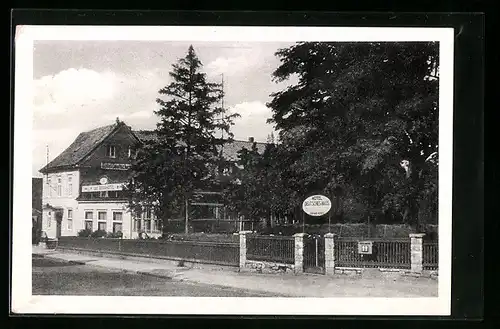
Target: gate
x,y
314,254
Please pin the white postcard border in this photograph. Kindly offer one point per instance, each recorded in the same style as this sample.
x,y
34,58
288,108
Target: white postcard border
x,y
24,302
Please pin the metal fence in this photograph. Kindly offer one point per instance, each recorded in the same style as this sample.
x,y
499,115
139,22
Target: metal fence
x,y
280,249
386,253
430,255
100,244
203,252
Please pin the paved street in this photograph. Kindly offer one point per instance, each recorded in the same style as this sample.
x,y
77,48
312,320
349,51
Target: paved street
x,y
53,277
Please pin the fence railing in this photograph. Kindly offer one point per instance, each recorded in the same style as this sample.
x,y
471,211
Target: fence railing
x,y
386,253
430,255
278,249
203,252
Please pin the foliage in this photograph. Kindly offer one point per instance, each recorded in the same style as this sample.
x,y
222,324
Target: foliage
x,y
98,234
358,111
185,156
203,237
114,235
84,233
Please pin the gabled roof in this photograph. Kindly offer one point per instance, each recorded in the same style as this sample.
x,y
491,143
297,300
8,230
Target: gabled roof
x,y
229,151
85,143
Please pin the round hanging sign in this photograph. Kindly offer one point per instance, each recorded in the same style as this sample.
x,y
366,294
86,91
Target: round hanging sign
x,y
316,205
103,180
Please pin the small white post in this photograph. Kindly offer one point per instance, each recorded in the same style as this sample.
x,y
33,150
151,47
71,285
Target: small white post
x,y
416,252
243,248
299,252
329,253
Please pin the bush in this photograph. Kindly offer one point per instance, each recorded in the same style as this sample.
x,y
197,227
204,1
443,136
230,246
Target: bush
x,y
84,233
114,235
202,237
173,226
98,234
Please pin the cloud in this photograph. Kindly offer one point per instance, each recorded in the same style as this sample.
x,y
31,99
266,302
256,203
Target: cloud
x,y
236,61
141,114
252,122
72,88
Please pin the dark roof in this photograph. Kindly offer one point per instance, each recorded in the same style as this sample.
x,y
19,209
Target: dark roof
x,y
230,150
80,148
87,141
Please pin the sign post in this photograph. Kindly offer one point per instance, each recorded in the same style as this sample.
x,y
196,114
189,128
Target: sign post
x,y
316,205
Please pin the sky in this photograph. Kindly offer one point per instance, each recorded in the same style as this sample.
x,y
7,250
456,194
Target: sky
x,y
81,85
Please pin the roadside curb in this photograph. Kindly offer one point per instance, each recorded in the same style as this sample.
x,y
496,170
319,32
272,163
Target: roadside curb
x,y
156,275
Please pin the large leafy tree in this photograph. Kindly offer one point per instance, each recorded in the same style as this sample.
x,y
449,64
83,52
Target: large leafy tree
x,y
362,120
184,157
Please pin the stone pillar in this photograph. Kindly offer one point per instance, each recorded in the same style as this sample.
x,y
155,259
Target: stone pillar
x,y
299,252
329,254
416,252
243,248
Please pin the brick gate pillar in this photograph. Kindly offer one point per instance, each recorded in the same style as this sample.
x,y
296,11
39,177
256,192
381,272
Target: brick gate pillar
x,y
299,253
329,253
416,252
243,248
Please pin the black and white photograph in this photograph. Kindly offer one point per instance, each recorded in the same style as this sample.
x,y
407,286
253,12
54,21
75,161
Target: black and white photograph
x,y
269,170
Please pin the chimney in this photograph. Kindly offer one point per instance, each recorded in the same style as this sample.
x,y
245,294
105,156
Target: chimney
x,y
250,139
117,120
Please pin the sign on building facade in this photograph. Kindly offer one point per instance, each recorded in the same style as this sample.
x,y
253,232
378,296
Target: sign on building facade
x,y
105,187
115,166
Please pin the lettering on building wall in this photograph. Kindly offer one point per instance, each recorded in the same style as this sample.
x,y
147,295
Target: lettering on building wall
x,y
99,188
115,166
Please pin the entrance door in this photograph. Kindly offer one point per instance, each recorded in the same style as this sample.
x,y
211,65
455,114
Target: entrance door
x,y
58,224
314,254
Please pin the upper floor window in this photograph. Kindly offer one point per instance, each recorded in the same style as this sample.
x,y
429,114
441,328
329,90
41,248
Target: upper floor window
x,y
59,186
129,152
111,151
70,219
70,185
49,187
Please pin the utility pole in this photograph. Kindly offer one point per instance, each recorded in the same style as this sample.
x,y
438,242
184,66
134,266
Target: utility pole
x,y
47,163
222,101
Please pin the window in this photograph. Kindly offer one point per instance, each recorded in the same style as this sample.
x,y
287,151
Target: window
x,y
157,225
102,216
70,219
137,224
70,185
49,218
129,152
147,225
103,194
111,151
49,187
117,216
59,186
89,217
147,219
101,226
117,227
